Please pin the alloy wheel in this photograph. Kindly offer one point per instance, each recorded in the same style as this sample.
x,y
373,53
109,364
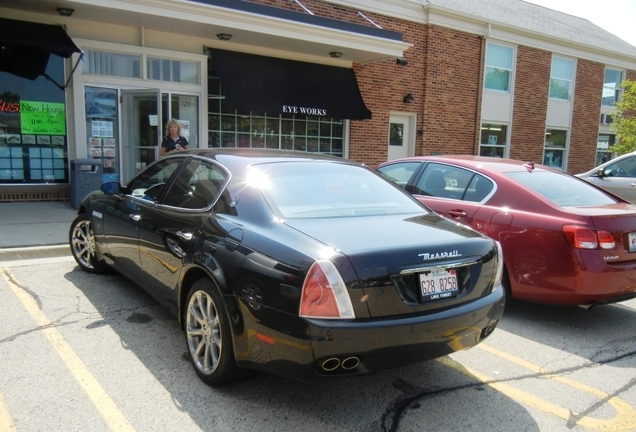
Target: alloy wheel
x,y
203,332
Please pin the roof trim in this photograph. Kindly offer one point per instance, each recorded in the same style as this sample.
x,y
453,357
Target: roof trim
x,y
299,17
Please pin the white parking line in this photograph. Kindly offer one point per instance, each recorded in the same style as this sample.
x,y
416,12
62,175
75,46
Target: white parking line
x,y
113,417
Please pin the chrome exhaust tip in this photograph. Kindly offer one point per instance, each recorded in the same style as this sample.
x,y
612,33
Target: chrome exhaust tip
x,y
350,363
330,364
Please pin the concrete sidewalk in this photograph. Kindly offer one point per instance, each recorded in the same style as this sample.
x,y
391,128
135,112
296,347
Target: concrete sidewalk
x,y
34,229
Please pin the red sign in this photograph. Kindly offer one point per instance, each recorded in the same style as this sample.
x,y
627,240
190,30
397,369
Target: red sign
x,y
9,107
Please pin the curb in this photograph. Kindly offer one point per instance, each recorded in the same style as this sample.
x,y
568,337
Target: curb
x,y
22,253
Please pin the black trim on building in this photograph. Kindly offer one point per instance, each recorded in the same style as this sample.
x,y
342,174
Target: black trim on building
x,y
277,86
26,46
274,12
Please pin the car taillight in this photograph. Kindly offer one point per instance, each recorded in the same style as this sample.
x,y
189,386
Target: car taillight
x,y
587,238
324,293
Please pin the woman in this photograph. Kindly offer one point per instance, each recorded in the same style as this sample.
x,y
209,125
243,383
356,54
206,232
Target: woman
x,y
173,141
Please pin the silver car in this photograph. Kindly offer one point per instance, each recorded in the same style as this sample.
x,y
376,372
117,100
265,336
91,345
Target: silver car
x,y
617,176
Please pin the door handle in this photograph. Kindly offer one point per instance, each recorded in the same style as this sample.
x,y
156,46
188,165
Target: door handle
x,y
633,184
184,235
457,213
135,217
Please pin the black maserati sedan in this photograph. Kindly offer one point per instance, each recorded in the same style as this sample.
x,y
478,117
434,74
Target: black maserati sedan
x,y
293,263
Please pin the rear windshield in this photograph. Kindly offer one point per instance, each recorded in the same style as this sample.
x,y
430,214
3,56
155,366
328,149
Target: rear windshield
x,y
326,189
562,189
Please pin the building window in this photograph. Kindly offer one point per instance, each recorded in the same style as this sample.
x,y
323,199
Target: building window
x,y
494,139
555,147
172,70
260,130
561,76
33,142
498,67
113,64
605,141
611,83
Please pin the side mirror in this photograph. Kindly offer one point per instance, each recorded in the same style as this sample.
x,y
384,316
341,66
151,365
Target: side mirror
x,y
600,172
111,188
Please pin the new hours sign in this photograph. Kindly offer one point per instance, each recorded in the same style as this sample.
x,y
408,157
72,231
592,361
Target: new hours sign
x,y
43,118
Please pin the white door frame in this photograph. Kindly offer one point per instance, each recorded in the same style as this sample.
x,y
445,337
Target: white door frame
x,y
409,122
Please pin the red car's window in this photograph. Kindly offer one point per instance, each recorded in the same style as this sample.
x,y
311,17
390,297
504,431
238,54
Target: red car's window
x,y
444,181
562,189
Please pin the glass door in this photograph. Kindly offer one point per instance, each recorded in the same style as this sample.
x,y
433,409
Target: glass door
x,y
185,110
141,129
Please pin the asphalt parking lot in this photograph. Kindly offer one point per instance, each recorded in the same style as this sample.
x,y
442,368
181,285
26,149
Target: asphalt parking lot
x,y
94,352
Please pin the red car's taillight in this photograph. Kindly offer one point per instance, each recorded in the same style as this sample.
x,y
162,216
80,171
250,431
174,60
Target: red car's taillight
x,y
324,293
586,238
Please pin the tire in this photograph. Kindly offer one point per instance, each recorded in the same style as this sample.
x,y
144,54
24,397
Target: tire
x,y
82,242
208,336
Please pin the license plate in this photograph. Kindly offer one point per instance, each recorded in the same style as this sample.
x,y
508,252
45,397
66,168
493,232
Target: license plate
x,y
632,241
438,284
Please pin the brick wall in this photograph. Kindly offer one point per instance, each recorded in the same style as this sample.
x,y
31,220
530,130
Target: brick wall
x,y
452,83
383,86
585,116
530,104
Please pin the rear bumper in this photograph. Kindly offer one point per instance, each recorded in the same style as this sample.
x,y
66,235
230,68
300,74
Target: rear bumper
x,y
330,348
593,282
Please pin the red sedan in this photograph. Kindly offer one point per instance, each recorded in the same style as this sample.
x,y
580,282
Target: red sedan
x,y
564,240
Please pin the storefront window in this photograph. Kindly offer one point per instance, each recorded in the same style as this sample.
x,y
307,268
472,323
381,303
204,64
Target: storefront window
x,y
101,128
33,144
494,138
260,130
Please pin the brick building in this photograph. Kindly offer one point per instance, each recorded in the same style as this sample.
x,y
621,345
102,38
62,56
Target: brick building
x,y
364,79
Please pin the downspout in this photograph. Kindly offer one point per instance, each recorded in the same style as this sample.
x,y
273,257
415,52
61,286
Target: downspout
x,y
480,90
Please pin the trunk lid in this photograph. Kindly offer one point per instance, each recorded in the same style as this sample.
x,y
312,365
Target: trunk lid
x,y
390,252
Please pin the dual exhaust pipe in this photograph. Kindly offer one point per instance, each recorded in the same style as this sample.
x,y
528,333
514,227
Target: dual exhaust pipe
x,y
333,363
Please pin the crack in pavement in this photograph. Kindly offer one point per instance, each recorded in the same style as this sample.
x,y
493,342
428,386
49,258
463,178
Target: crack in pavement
x,y
390,420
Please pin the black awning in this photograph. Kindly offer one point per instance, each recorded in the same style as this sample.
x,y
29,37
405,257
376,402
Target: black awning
x,y
26,46
276,86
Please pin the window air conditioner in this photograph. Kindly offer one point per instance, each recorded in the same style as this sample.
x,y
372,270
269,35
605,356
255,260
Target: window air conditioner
x,y
606,119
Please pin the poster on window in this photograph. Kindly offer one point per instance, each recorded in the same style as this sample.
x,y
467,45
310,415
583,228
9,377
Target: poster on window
x,y
101,103
185,128
42,118
101,128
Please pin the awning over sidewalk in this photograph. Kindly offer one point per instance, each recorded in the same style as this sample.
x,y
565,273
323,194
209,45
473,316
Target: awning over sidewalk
x,y
276,86
26,46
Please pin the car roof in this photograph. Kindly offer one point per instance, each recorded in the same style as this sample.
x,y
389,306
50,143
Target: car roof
x,y
254,155
482,163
